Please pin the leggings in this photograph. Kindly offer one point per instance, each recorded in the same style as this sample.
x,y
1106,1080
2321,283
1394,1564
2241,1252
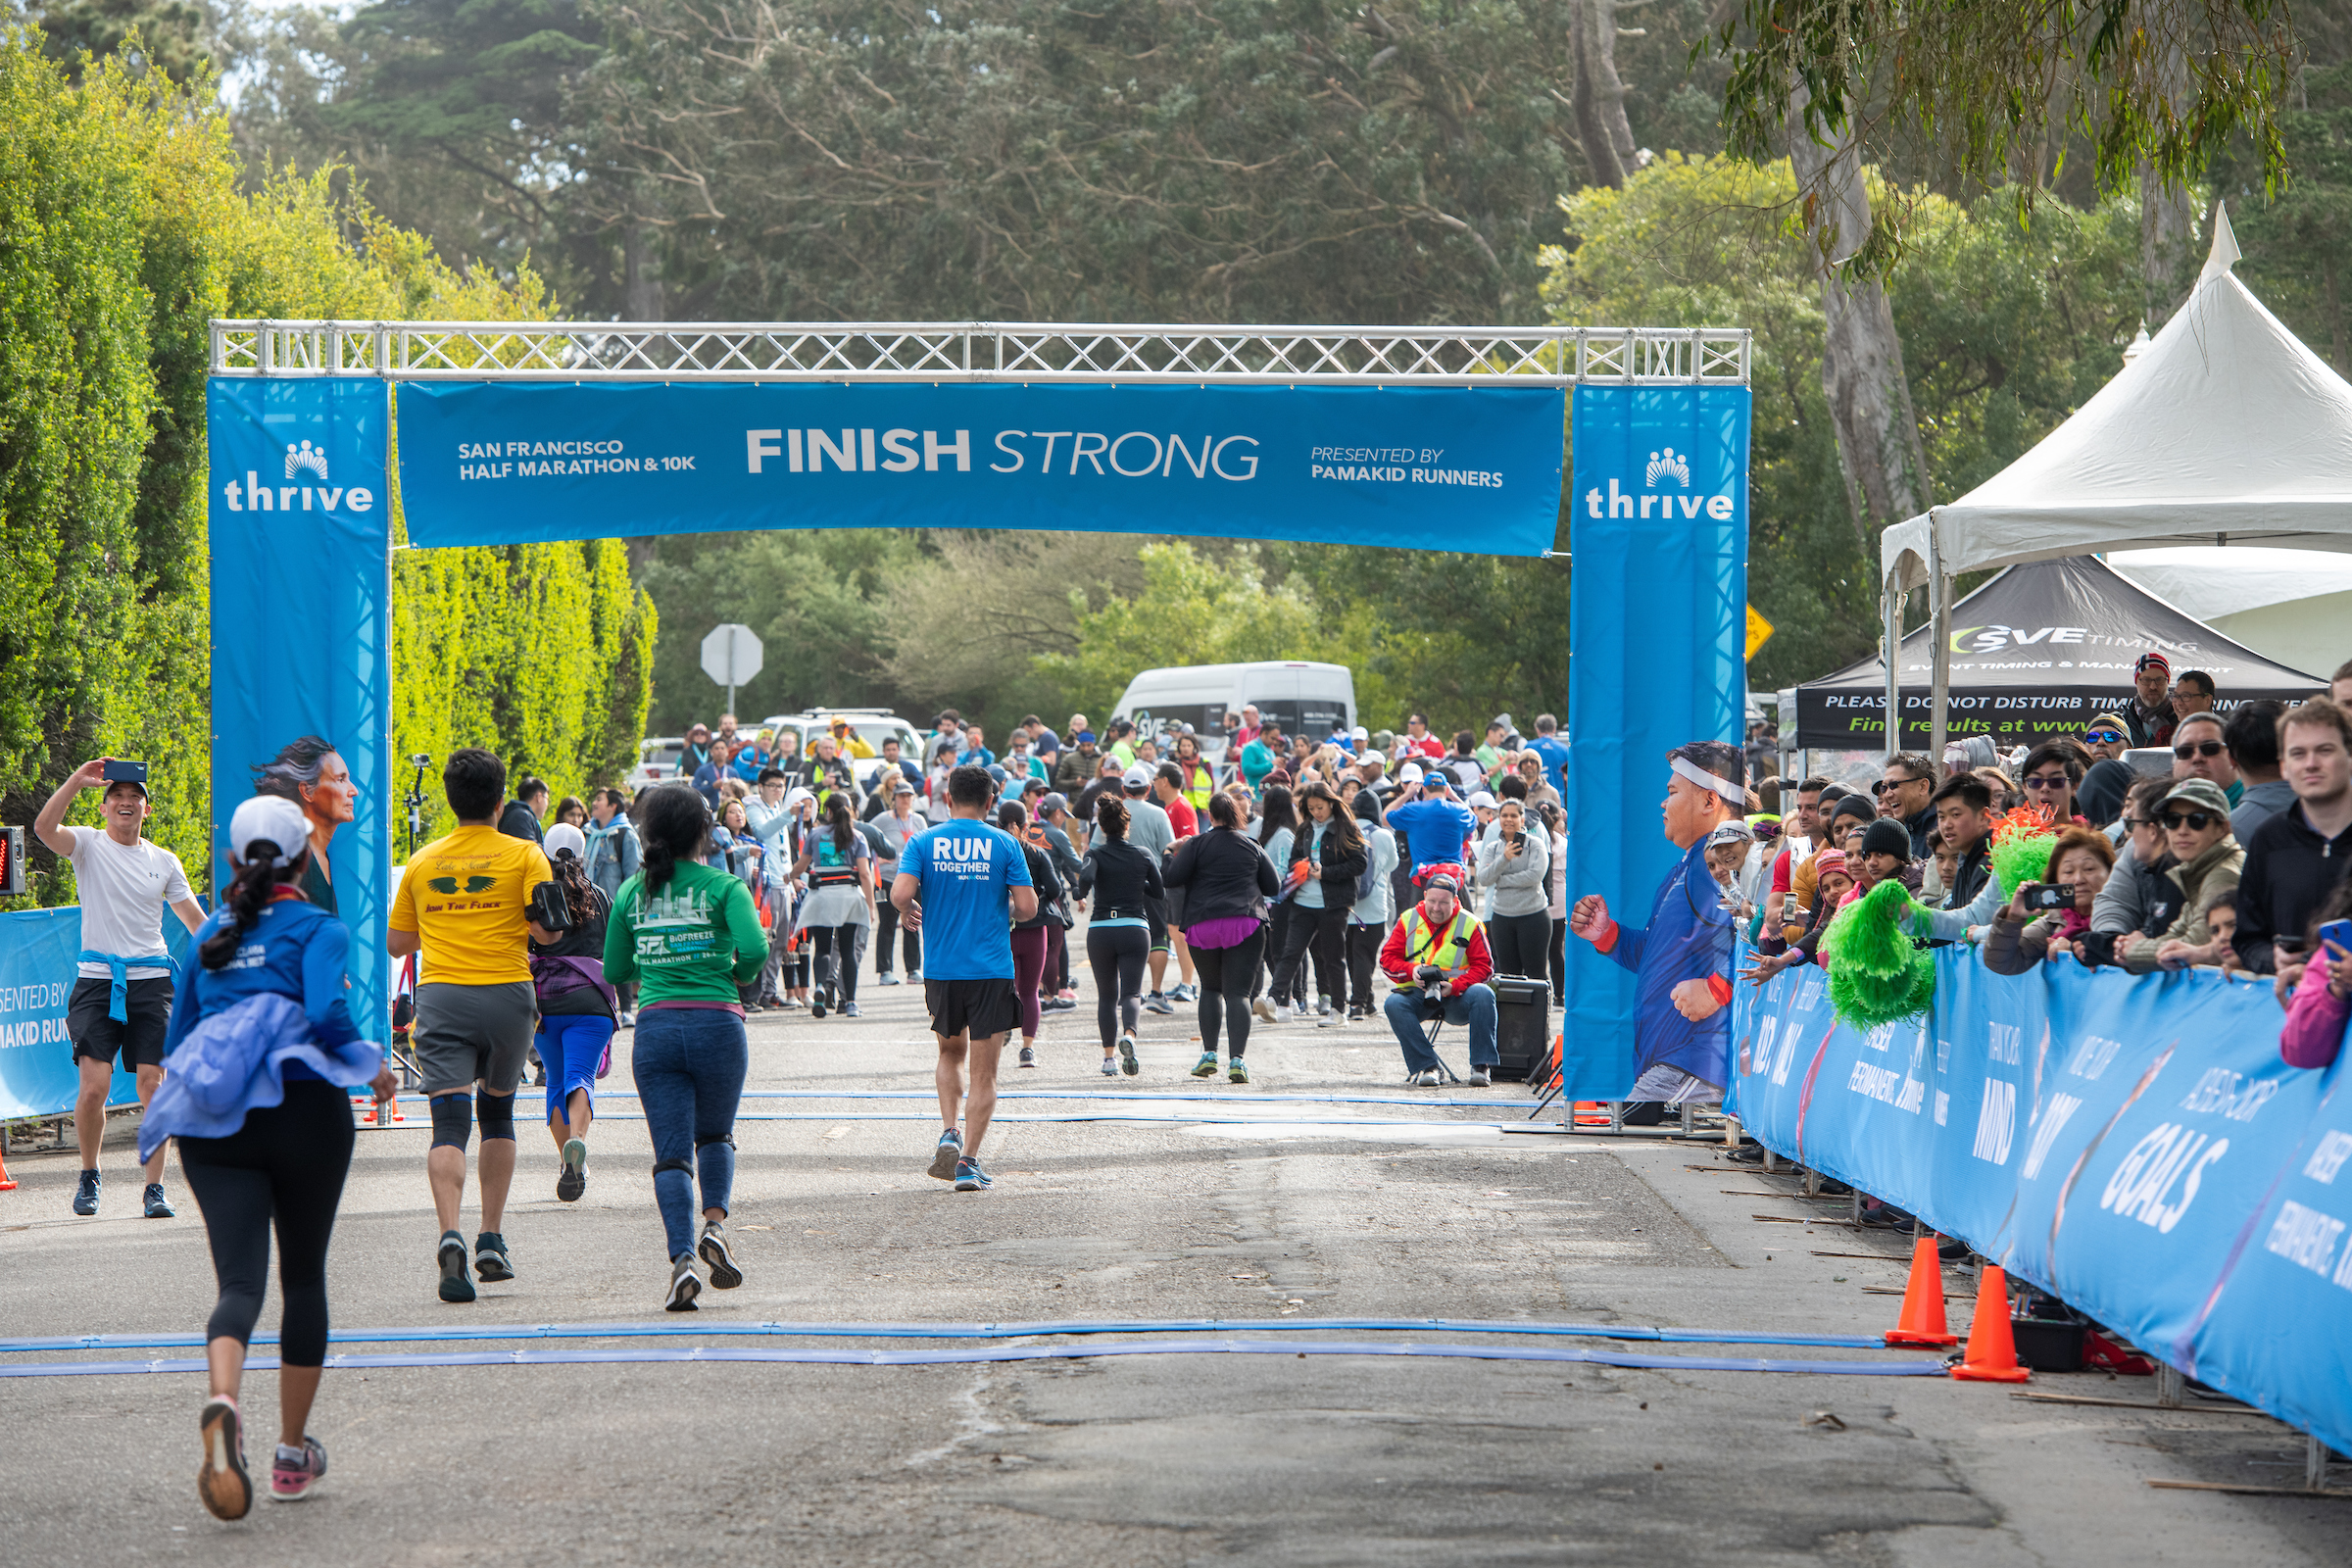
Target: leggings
x,y
887,913
1028,969
689,1063
1277,930
1559,957
1116,955
1520,944
1226,974
835,959
1321,932
288,1162
1363,954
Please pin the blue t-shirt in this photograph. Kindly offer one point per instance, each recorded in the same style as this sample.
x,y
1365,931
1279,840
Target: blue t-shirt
x,y
294,949
1555,760
968,868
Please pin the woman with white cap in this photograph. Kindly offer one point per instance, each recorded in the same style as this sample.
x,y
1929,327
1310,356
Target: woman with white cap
x,y
578,1009
261,1044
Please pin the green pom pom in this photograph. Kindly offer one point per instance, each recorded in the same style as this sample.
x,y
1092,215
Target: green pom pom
x,y
2020,860
1877,975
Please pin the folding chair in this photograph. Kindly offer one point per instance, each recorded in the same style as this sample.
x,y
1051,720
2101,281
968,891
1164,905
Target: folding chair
x,y
1430,1030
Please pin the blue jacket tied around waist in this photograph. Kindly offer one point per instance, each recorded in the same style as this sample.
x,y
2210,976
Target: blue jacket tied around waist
x,y
275,1011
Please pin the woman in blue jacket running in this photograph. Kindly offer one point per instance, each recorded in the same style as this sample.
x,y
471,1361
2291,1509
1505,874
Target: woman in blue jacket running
x,y
261,1045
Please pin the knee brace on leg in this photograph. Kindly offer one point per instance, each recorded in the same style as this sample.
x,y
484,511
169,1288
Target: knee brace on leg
x,y
496,1113
705,1142
453,1121
684,1167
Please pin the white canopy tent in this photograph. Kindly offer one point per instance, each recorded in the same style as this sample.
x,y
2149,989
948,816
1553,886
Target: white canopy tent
x,y
2289,606
2224,430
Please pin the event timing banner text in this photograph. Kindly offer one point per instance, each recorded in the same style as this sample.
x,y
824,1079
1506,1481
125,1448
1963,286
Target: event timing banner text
x,y
2133,1145
1468,468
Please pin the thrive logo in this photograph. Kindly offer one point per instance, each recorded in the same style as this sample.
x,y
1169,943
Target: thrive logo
x,y
1662,465
313,460
304,461
1670,470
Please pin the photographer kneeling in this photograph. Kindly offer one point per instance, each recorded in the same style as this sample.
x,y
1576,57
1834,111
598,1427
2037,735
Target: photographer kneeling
x,y
2046,917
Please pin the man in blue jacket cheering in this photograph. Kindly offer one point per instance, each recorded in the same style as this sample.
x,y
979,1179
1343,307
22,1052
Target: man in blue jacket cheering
x,y
1682,1033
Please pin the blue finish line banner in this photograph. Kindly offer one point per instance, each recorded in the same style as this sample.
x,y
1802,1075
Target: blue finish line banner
x,y
2133,1145
1657,521
1471,469
40,951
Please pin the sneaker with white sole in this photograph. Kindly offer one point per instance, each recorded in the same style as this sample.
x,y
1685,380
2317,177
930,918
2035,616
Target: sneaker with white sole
x,y
1263,1008
943,1157
889,979
914,977
1183,993
490,1261
221,1481
296,1471
970,1178
1127,1062
456,1284
724,1275
1157,1002
1476,1078
684,1286
848,1010
1028,1056
157,1206
1110,1067
572,1180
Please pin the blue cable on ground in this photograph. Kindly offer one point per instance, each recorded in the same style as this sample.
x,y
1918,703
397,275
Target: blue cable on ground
x,y
1024,1352
983,1331
1146,1097
1163,1118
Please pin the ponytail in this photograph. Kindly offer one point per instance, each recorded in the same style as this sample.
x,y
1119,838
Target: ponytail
x,y
579,894
258,877
1111,816
675,827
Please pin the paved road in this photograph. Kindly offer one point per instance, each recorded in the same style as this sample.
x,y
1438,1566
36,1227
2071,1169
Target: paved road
x,y
1128,1460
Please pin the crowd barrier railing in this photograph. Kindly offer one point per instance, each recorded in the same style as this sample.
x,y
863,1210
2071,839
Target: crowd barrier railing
x,y
2133,1145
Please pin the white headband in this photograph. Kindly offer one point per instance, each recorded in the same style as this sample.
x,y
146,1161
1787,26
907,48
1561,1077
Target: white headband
x,y
1737,794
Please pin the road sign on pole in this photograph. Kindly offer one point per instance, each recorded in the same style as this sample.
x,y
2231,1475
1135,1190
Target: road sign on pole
x,y
731,656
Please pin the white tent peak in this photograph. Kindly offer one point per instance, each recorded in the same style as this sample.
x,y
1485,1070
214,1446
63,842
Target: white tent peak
x,y
2225,253
2139,344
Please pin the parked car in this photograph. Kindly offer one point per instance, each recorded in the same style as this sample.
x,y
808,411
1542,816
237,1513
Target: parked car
x,y
657,761
1303,697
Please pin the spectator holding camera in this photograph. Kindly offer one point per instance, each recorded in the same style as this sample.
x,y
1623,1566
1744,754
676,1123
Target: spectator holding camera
x,y
121,1004
470,904
2046,916
2204,858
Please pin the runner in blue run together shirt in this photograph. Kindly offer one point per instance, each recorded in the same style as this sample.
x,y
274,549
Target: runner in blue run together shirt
x,y
968,868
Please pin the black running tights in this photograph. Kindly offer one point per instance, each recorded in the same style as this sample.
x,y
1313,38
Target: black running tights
x,y
286,1163
836,959
1226,976
1116,955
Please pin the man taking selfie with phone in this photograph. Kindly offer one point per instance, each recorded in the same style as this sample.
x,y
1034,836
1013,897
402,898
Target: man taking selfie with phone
x,y
121,1005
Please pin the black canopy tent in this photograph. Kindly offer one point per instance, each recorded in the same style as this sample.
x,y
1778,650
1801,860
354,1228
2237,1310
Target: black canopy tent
x,y
2038,651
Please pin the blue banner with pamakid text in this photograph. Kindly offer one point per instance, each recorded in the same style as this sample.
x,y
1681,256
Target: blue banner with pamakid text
x,y
2132,1144
40,951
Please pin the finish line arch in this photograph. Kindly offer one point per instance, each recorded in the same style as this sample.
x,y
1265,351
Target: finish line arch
x,y
1404,437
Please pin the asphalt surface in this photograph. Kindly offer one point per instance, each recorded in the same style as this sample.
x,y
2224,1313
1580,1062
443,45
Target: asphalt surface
x,y
1237,1212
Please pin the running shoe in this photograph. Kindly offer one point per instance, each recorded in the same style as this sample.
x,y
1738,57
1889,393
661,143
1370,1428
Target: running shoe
x,y
1157,1003
1322,1006
684,1286
1355,1016
1127,1062
456,1284
85,1202
1069,994
1183,993
1476,1078
944,1157
889,979
724,1275
848,1010
222,1484
490,1259
1028,1056
1237,1071
295,1471
574,1181
914,977
1206,1066
1110,1067
1059,1005
1326,1019
629,1017
816,1003
970,1178
1428,1079
157,1206
1263,1008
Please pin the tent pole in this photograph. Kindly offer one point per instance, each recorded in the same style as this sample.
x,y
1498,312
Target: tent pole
x,y
1940,658
1891,601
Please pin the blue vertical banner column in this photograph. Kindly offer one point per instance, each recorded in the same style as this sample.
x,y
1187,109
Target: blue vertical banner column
x,y
1658,612
300,528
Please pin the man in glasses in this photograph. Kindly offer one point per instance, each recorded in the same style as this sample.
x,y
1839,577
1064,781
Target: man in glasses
x,y
2299,857
1904,795
2192,693
2196,817
2200,750
2150,715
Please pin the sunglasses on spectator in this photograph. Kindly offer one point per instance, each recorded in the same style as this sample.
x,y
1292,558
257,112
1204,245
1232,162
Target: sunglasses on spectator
x,y
2044,781
2140,822
2189,749
1885,784
2196,821
2104,737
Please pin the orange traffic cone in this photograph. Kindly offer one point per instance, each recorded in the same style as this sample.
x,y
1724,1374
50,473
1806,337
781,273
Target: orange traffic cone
x,y
8,1183
1992,1348
1922,1319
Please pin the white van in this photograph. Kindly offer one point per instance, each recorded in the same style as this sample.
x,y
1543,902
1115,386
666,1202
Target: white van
x,y
1303,698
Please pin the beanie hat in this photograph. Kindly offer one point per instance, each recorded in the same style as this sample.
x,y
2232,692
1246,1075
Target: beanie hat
x,y
1886,836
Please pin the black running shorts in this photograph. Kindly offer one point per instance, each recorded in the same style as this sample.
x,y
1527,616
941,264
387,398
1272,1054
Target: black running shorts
x,y
139,1039
983,1006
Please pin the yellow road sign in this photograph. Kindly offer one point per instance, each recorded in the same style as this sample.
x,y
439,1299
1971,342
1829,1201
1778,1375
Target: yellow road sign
x,y
1758,631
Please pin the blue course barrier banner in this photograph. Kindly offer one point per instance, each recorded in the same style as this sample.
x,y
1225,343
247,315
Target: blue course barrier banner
x,y
302,674
1473,469
2133,1145
1658,528
39,949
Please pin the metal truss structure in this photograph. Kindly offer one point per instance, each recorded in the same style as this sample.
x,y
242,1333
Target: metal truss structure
x,y
980,350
